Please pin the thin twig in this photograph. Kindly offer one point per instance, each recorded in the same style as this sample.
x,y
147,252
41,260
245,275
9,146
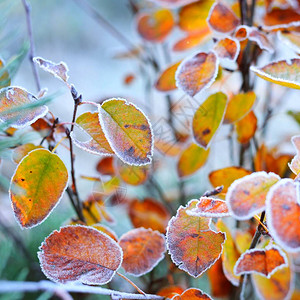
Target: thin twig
x,y
32,46
213,192
29,286
132,283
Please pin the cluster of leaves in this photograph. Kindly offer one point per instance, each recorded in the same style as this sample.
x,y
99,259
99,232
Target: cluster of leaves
x,y
199,237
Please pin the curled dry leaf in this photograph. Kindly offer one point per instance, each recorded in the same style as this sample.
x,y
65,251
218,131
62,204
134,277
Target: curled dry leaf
x,y
261,39
97,144
220,285
262,261
230,254
192,39
192,17
283,72
222,19
208,118
59,70
149,214
22,151
227,176
246,128
80,253
37,186
18,108
193,245
278,287
210,208
192,294
283,214
241,32
191,160
143,249
127,130
295,163
227,48
197,73
156,26
133,175
238,106
166,81
247,196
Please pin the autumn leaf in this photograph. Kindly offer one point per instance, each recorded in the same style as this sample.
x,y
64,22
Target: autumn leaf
x,y
283,72
156,26
192,17
166,81
108,231
143,249
4,78
226,176
192,294
210,208
149,214
19,108
230,254
243,240
170,291
37,186
262,261
191,160
105,166
208,118
127,130
283,214
247,195
97,144
238,106
59,70
246,128
227,48
193,245
281,18
222,19
197,73
295,163
80,253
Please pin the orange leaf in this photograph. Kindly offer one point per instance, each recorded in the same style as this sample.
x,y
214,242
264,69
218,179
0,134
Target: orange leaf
x,y
37,186
191,160
170,291
97,144
14,110
230,254
210,208
227,176
143,249
238,106
283,214
247,196
133,175
283,72
219,284
22,151
278,287
127,130
227,48
192,294
80,253
222,19
166,81
106,230
149,214
192,17
193,245
208,118
192,40
105,166
59,70
281,18
167,148
246,128
156,26
197,73
262,261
